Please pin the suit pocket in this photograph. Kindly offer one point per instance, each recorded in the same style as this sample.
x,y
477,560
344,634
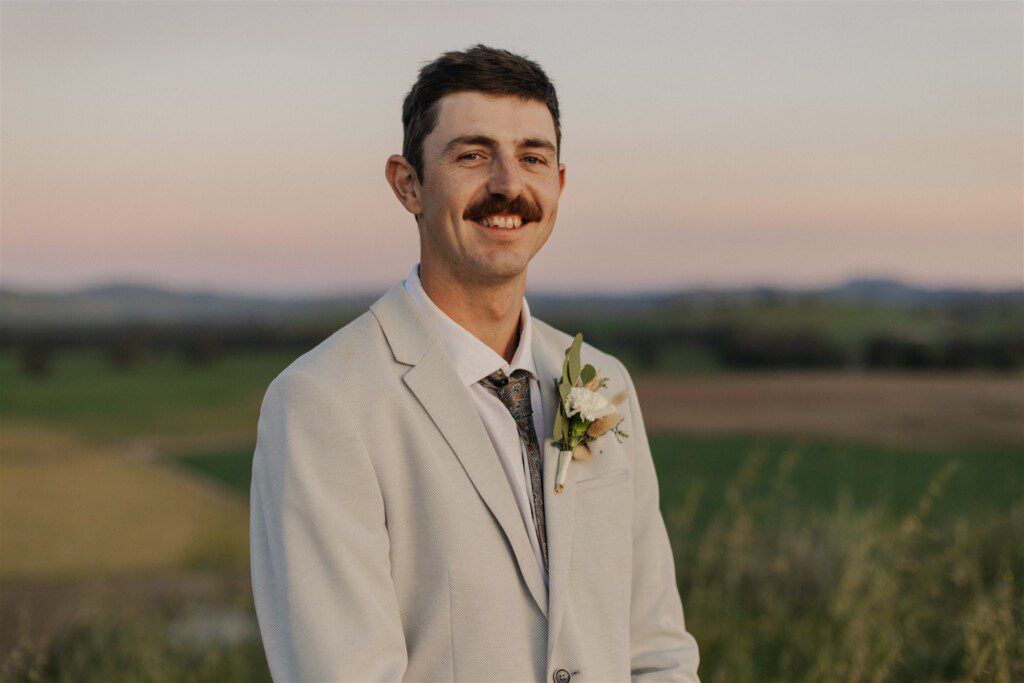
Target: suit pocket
x,y
606,479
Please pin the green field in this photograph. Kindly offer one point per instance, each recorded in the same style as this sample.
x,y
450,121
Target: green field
x,y
822,476
163,396
793,554
798,559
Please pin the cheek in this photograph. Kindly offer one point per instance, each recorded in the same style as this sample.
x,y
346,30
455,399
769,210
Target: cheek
x,y
550,191
437,193
455,192
551,205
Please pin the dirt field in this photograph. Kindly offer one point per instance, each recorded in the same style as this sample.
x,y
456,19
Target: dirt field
x,y
906,410
72,508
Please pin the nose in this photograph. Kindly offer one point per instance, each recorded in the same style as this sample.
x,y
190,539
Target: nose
x,y
504,179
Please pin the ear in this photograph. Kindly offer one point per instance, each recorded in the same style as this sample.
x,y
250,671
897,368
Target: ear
x,y
561,179
403,181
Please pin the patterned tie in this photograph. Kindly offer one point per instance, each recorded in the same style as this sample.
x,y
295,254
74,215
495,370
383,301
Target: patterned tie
x,y
515,394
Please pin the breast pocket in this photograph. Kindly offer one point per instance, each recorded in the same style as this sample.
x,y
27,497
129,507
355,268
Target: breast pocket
x,y
609,465
617,476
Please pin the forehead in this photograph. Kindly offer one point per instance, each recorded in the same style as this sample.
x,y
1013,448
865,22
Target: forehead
x,y
503,118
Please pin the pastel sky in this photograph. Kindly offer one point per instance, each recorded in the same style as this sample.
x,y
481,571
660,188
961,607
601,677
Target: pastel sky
x,y
242,146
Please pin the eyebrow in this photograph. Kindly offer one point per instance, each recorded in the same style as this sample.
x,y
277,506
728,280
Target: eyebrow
x,y
530,143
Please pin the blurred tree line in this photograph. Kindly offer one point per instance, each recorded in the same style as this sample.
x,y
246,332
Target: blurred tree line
x,y
728,345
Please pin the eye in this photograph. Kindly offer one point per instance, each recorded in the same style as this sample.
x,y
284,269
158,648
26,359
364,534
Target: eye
x,y
469,154
538,160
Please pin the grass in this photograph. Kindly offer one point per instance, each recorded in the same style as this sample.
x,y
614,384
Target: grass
x,y
826,475
817,560
780,582
162,396
232,468
143,648
773,592
798,559
829,474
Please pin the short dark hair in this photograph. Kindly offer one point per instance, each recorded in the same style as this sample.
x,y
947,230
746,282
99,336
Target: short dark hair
x,y
481,69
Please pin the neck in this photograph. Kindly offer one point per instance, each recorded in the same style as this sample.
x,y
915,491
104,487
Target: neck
x,y
489,311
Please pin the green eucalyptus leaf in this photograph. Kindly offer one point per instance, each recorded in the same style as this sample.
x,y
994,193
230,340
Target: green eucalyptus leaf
x,y
559,431
574,358
566,384
587,373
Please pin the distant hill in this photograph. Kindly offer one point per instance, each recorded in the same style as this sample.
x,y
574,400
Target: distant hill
x,y
888,291
118,303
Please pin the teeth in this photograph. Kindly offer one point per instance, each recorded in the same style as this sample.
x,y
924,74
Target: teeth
x,y
506,223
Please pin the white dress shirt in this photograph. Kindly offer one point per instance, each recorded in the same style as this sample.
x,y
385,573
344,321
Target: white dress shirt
x,y
474,360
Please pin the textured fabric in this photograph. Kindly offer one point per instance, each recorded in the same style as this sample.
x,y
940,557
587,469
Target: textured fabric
x,y
473,360
514,393
387,545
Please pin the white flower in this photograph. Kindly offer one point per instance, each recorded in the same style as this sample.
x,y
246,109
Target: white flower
x,y
589,404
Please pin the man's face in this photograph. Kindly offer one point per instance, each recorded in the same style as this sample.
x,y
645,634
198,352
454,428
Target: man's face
x,y
489,159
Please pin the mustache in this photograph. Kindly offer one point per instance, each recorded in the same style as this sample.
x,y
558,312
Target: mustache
x,y
499,205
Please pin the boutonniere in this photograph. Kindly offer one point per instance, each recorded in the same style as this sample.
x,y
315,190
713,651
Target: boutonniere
x,y
583,414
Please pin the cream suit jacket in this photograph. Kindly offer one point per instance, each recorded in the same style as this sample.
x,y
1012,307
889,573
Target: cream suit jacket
x,y
386,543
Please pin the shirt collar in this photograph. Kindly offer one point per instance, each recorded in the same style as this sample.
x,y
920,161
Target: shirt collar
x,y
473,359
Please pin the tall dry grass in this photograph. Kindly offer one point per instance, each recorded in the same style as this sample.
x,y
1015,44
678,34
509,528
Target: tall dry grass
x,y
772,591
776,593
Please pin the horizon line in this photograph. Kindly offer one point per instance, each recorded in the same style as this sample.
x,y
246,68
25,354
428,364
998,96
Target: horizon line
x,y
8,287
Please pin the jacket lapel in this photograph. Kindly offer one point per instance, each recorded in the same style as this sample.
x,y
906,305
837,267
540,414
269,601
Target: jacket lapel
x,y
558,508
435,382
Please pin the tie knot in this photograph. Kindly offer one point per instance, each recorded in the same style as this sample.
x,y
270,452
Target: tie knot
x,y
497,380
514,393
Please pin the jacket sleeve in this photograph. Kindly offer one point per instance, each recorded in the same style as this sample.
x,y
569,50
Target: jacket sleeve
x,y
661,649
319,546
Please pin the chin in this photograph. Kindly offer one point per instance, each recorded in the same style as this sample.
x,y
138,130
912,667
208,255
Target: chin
x,y
502,268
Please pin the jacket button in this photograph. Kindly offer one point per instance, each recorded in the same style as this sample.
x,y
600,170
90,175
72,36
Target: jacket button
x,y
562,676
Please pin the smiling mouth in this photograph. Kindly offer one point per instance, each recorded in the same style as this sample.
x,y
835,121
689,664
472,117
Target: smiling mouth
x,y
501,222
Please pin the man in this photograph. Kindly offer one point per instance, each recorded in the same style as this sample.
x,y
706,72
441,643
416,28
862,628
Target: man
x,y
404,519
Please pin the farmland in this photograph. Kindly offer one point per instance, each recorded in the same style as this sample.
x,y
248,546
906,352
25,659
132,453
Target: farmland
x,y
824,524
